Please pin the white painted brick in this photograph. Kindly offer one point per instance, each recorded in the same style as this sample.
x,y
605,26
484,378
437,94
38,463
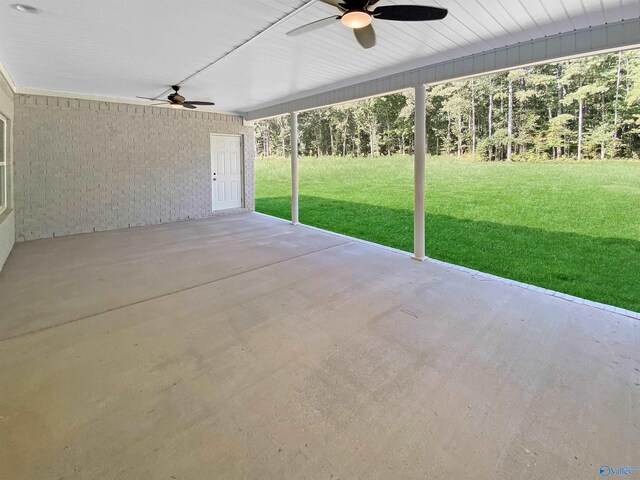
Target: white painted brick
x,y
85,165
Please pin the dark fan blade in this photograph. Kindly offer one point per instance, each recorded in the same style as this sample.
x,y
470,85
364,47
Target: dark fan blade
x,y
153,99
355,4
310,27
409,13
201,103
334,3
366,36
188,105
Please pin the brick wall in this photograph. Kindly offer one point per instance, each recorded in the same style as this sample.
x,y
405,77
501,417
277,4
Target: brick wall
x,y
7,222
84,166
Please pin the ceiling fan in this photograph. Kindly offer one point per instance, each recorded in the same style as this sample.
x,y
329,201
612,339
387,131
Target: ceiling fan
x,y
358,15
175,100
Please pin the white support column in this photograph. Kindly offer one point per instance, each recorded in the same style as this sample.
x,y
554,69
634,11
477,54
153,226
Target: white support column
x,y
294,168
419,176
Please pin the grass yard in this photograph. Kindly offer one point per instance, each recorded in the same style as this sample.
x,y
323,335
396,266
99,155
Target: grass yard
x,y
571,227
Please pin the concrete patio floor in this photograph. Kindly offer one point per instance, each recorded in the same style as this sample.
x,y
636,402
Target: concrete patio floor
x,y
243,347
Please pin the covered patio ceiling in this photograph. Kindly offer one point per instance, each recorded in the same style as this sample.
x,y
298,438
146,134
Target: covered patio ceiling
x,y
120,50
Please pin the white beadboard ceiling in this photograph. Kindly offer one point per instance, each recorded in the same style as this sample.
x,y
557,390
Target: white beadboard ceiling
x,y
125,48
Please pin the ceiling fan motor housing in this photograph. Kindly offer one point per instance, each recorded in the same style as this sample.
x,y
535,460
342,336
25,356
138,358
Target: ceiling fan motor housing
x,y
176,98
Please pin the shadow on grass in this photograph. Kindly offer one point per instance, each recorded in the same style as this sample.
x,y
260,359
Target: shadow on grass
x,y
599,269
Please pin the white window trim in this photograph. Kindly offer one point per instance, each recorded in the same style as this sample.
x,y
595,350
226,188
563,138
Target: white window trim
x,y
3,164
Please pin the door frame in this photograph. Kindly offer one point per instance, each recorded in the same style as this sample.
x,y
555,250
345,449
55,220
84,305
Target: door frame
x,y
242,160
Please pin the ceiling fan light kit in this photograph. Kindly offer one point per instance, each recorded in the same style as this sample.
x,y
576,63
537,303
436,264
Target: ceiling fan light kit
x,y
359,15
356,19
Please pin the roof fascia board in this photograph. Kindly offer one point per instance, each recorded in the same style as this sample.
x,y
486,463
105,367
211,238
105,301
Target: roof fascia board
x,y
605,38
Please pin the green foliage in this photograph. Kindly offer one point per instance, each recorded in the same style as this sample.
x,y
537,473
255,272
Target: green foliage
x,y
569,226
633,96
591,105
559,134
601,142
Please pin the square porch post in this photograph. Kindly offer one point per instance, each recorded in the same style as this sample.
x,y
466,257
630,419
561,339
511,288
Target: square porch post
x,y
294,168
419,175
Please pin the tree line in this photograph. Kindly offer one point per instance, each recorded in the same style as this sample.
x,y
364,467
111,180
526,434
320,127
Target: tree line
x,y
581,108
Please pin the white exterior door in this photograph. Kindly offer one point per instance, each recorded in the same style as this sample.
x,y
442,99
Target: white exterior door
x,y
226,171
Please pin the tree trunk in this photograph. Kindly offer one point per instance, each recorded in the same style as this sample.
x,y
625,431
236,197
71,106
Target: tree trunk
x,y
618,80
580,122
603,107
459,134
281,139
426,130
510,121
344,136
490,115
491,124
332,139
473,118
558,73
448,132
560,92
371,140
344,143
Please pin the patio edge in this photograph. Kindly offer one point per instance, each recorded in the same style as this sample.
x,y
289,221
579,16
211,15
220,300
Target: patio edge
x,y
476,273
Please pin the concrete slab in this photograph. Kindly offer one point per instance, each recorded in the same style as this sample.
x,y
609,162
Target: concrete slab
x,y
347,361
51,282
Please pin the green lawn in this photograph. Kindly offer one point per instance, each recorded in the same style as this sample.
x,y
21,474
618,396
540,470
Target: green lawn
x,y
571,227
